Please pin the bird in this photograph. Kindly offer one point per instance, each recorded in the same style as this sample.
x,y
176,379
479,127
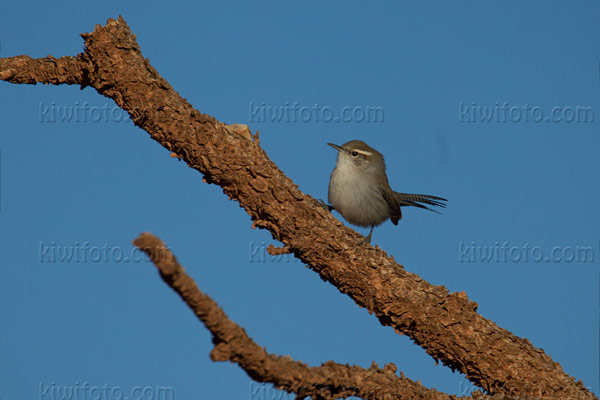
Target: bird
x,y
359,189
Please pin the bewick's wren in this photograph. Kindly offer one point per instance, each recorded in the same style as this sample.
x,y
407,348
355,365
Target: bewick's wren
x,y
359,188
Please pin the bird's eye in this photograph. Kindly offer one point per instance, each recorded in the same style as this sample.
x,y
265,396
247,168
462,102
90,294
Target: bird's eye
x,y
354,154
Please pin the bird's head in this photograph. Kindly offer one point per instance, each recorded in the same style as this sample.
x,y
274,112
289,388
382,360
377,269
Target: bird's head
x,y
358,154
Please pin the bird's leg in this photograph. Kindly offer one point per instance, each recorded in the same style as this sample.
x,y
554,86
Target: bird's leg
x,y
367,239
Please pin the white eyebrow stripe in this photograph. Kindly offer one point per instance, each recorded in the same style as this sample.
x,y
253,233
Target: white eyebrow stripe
x,y
363,152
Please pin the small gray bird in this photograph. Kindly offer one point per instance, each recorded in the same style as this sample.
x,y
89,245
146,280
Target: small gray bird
x,y
359,188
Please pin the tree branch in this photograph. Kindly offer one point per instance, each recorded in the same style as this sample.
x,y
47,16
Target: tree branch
x,y
445,324
329,381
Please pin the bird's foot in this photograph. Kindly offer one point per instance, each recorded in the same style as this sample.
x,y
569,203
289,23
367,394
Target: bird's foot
x,y
326,206
365,240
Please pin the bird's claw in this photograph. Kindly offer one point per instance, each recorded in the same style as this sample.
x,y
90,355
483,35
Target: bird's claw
x,y
326,206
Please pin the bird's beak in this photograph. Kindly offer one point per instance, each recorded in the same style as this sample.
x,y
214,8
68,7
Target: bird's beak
x,y
335,146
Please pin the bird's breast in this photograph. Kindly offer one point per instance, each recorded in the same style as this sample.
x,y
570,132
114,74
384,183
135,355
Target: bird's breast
x,y
355,194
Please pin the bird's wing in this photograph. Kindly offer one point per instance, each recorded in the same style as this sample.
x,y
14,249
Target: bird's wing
x,y
392,200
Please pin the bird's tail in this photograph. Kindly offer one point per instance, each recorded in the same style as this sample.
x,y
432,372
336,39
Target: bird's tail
x,y
415,200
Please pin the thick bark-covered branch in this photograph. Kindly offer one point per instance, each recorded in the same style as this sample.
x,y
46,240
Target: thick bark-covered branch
x,y
445,324
329,381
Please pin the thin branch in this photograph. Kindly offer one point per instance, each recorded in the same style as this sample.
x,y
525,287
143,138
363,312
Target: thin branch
x,y
329,381
27,70
445,324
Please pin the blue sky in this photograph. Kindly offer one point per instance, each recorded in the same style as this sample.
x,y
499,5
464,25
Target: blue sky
x,y
521,234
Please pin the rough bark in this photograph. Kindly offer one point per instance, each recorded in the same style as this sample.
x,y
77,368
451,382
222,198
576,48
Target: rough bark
x,y
445,324
329,381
